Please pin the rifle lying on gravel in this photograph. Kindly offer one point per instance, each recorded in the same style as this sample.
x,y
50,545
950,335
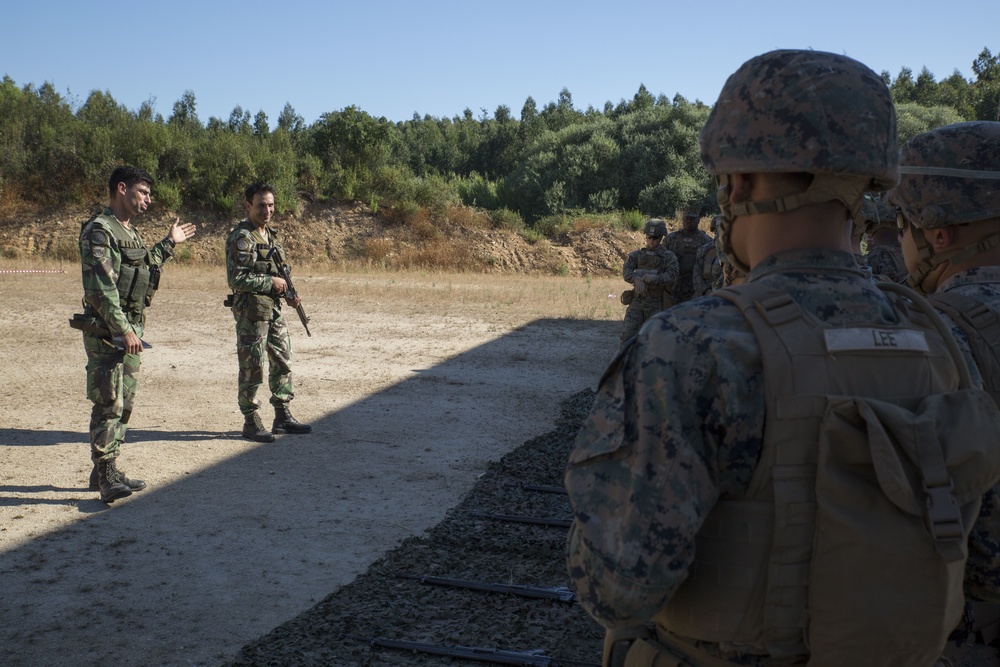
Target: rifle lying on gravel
x,y
562,594
491,655
544,488
558,523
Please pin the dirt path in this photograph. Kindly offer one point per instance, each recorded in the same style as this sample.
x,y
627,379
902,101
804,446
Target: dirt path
x,y
409,402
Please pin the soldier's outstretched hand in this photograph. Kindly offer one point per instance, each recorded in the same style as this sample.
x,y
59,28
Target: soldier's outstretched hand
x,y
179,233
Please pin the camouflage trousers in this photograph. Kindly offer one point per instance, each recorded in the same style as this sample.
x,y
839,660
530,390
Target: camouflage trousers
x,y
111,387
254,341
640,310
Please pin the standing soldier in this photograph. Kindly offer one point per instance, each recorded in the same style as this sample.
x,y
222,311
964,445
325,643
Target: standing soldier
x,y
789,472
652,271
684,243
885,255
120,277
254,260
949,217
707,266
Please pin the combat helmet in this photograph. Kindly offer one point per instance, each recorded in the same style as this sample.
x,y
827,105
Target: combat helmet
x,y
949,176
876,214
791,111
655,227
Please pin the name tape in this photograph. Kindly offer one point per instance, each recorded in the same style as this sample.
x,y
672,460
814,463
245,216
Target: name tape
x,y
906,340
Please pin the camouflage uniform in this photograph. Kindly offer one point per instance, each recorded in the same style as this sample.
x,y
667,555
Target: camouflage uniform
x,y
685,245
707,269
951,176
658,289
886,261
678,425
110,254
251,264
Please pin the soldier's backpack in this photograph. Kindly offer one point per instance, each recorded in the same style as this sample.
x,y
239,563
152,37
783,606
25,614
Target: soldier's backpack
x,y
850,546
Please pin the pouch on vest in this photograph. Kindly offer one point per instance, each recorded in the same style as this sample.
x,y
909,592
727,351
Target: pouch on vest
x,y
850,545
257,308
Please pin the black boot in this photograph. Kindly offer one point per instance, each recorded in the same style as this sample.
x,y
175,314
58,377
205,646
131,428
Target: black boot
x,y
110,482
284,422
132,484
253,429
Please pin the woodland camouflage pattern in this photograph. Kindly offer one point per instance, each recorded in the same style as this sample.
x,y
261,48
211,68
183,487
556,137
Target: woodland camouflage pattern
x,y
753,129
970,191
707,254
686,245
678,424
258,337
111,374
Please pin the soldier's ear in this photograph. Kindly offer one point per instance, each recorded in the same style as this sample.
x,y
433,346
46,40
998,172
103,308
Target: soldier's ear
x,y
941,238
740,187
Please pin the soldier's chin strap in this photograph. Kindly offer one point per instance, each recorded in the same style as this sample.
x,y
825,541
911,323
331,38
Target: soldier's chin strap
x,y
930,260
847,189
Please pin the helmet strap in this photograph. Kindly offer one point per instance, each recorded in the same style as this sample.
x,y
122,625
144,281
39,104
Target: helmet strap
x,y
929,260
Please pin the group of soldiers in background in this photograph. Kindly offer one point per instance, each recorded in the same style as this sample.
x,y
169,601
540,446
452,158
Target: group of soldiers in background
x,y
698,265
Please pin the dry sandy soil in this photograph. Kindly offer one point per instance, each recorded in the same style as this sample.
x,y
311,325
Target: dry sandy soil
x,y
413,383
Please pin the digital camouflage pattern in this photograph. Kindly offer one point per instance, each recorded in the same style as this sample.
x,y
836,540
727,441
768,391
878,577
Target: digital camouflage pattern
x,y
678,424
886,263
950,175
260,333
111,374
685,245
707,270
662,264
842,120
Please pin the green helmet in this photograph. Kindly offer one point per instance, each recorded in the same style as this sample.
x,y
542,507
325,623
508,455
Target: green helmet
x,y
950,176
803,111
797,111
876,214
655,227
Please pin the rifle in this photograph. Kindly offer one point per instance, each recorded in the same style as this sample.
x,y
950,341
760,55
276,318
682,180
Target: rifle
x,y
90,325
290,293
492,655
558,523
562,594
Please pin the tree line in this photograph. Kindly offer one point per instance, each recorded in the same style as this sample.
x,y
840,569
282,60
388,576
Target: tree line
x,y
639,155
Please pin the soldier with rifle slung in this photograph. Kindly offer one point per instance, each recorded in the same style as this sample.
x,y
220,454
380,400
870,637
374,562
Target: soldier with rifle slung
x,y
259,277
120,277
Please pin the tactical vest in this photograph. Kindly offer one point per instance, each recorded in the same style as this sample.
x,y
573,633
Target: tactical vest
x,y
267,257
652,260
849,547
981,325
138,278
687,251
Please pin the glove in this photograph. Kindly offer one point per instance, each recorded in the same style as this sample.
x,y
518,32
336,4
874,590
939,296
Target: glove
x,y
640,285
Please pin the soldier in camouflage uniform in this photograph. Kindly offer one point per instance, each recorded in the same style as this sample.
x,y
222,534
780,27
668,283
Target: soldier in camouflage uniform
x,y
707,266
885,255
692,513
949,218
652,271
253,260
120,276
684,243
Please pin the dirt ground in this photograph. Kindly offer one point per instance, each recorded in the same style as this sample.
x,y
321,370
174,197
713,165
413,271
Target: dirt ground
x,y
410,401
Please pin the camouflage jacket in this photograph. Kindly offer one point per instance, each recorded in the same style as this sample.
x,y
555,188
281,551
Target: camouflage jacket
x,y
661,260
101,256
678,424
250,260
707,269
887,261
686,245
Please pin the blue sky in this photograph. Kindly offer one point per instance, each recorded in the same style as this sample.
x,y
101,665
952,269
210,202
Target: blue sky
x,y
393,58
